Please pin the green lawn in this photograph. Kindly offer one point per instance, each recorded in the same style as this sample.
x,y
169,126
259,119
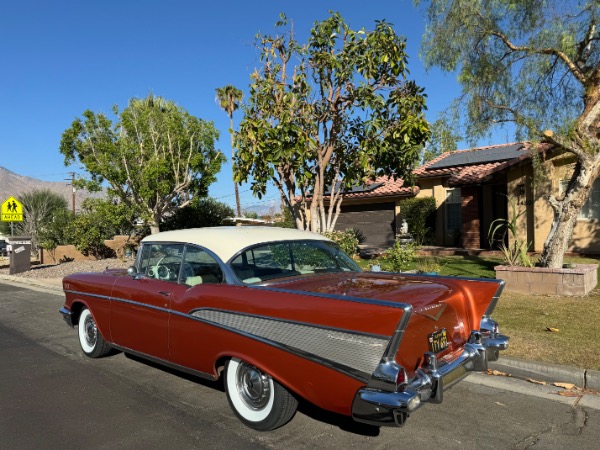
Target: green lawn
x,y
527,318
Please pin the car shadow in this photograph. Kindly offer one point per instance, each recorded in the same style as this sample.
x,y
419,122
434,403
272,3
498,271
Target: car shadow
x,y
217,385
344,423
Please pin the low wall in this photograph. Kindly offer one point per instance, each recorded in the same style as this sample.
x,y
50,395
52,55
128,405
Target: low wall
x,y
576,281
69,252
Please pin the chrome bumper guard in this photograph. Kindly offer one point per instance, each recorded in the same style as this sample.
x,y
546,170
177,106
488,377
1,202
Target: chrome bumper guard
x,y
380,407
67,315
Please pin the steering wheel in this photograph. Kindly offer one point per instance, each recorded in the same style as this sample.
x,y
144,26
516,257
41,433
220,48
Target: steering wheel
x,y
162,272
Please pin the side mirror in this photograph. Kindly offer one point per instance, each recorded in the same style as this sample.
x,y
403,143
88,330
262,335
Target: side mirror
x,y
132,271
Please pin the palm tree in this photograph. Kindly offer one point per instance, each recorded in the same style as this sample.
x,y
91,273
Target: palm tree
x,y
229,98
40,206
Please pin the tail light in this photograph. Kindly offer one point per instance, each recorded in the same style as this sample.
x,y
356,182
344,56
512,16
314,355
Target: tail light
x,y
401,380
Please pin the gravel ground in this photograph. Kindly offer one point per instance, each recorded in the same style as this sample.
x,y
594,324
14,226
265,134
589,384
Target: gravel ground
x,y
66,268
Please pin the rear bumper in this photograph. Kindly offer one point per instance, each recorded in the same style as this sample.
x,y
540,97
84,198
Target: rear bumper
x,y
380,407
67,315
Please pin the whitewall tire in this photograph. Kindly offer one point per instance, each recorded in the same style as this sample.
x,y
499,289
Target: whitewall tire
x,y
91,340
257,400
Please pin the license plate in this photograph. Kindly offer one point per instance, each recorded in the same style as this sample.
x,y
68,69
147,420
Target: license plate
x,y
438,340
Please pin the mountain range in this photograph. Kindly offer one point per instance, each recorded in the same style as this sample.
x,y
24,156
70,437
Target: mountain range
x,y
12,184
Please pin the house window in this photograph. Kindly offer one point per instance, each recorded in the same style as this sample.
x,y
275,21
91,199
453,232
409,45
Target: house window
x,y
453,205
591,208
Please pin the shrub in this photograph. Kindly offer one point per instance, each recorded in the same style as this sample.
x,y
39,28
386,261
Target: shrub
x,y
346,239
428,265
100,219
399,257
57,231
203,212
419,213
288,220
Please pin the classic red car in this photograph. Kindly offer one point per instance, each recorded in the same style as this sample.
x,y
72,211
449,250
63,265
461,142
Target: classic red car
x,y
284,314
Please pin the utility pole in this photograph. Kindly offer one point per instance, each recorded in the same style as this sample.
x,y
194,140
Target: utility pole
x,y
72,184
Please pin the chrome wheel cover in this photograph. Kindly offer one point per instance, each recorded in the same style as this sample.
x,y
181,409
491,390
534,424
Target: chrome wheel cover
x,y
252,386
91,331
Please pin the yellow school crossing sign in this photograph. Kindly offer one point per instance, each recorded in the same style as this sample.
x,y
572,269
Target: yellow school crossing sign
x,y
12,210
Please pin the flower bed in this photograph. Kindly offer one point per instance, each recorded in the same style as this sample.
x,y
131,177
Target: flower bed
x,y
578,280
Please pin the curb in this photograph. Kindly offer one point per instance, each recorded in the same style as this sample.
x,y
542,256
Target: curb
x,y
584,378
29,282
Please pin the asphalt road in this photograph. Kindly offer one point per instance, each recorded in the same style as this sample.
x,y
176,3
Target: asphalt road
x,y
51,396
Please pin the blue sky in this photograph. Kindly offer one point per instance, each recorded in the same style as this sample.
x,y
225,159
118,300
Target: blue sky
x,y
61,58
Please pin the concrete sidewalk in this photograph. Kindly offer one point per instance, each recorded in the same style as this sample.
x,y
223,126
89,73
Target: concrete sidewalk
x,y
545,372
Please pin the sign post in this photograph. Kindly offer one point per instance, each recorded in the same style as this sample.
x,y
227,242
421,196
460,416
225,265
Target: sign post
x,y
12,211
20,254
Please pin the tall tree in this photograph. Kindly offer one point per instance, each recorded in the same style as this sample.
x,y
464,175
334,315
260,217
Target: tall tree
x,y
230,98
443,139
535,64
155,158
327,115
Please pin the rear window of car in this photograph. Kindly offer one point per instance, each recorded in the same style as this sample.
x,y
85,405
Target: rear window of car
x,y
291,258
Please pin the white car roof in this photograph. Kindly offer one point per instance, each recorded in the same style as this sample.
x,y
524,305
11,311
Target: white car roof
x,y
225,242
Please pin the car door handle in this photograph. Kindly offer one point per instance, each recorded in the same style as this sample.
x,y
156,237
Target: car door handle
x,y
165,293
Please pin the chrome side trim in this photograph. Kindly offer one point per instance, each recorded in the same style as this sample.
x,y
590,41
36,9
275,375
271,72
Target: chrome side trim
x,y
346,298
398,336
293,322
121,300
495,298
163,362
87,294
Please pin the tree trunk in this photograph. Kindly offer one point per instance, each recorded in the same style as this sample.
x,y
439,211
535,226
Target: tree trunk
x,y
238,207
155,224
558,240
315,226
566,212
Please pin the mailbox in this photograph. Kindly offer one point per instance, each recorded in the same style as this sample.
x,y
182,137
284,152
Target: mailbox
x,y
20,254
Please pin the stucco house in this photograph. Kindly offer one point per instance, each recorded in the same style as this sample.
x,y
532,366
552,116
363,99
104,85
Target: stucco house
x,y
472,188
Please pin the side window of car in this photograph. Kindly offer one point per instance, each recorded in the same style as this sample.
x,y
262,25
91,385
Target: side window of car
x,y
199,267
143,258
162,261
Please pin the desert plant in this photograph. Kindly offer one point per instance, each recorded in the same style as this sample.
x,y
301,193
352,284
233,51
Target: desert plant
x,y
360,236
399,257
515,252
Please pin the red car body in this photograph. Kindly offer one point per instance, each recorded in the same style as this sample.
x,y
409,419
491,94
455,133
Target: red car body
x,y
375,346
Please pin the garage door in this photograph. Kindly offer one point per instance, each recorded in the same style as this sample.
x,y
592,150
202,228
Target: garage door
x,y
377,221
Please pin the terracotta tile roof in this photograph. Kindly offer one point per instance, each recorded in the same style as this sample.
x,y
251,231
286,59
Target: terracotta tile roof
x,y
384,187
474,165
388,187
